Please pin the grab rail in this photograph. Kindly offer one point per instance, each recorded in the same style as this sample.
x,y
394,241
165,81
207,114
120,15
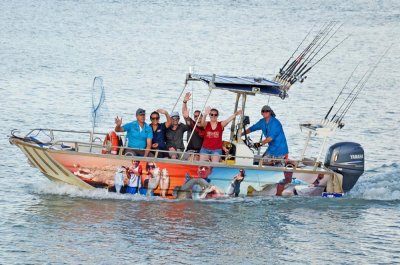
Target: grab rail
x,y
190,156
77,146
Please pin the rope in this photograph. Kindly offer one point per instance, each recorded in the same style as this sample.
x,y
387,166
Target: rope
x,y
176,103
197,121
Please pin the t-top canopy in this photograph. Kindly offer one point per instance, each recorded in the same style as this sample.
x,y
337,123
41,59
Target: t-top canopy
x,y
238,84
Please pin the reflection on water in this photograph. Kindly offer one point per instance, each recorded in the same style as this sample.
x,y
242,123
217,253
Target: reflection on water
x,y
278,229
98,227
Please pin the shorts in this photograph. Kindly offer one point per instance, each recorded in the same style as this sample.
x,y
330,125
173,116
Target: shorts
x,y
271,160
136,152
177,153
132,190
191,155
206,151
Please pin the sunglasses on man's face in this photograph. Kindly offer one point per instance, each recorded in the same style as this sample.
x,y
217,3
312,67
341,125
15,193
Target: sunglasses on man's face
x,y
175,118
151,166
264,111
213,115
154,118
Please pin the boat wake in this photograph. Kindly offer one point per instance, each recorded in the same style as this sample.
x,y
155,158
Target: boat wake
x,y
382,183
63,189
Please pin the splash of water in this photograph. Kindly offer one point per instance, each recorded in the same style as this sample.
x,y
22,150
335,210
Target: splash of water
x,y
382,183
53,188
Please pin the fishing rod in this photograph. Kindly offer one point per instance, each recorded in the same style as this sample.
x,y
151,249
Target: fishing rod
x,y
341,91
291,67
283,67
344,112
363,85
300,57
307,62
304,51
302,74
348,97
328,30
324,31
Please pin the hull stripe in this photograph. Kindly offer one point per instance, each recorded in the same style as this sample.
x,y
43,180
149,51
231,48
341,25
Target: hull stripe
x,y
44,161
31,162
56,164
34,160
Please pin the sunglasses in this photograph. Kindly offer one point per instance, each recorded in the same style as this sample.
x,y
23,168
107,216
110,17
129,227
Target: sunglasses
x,y
154,118
175,118
265,111
195,116
151,166
213,115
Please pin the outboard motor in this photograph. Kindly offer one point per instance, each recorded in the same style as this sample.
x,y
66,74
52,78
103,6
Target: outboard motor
x,y
346,158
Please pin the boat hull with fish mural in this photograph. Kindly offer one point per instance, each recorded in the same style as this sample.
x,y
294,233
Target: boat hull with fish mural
x,y
189,179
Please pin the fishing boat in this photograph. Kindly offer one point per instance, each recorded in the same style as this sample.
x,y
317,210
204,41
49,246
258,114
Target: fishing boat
x,y
88,162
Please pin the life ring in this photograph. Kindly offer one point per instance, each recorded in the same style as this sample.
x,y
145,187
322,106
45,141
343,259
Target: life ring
x,y
110,140
185,191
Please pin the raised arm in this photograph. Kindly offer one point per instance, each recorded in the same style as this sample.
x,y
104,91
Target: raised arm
x,y
118,123
203,122
169,121
185,110
227,121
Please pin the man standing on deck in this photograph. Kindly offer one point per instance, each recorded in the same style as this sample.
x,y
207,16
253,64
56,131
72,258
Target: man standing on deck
x,y
196,141
138,133
274,136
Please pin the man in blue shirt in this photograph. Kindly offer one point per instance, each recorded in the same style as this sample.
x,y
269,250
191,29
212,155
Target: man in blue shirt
x,y
138,133
274,136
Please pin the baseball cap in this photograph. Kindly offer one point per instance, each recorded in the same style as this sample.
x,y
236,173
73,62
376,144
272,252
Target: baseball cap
x,y
140,111
174,114
268,108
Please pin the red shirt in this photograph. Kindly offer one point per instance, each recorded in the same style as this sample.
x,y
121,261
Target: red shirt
x,y
213,138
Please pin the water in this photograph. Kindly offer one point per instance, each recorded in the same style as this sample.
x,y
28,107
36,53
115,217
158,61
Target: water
x,y
52,50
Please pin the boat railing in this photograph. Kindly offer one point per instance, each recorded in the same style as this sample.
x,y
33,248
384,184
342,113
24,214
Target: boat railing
x,y
52,133
95,145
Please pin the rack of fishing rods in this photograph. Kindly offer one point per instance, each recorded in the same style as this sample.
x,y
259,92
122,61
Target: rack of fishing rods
x,y
352,93
296,67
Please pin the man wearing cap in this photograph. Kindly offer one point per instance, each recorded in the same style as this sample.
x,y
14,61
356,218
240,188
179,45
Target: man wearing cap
x,y
174,136
274,136
138,133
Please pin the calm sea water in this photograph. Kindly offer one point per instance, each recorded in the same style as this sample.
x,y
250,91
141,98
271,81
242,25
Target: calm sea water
x,y
50,51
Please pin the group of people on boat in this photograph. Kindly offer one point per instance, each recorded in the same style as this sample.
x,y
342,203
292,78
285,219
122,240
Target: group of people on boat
x,y
204,138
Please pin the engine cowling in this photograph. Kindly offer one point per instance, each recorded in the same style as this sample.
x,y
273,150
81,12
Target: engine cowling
x,y
346,158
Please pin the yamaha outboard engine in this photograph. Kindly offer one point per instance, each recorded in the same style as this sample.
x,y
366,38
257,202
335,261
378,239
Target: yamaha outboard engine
x,y
346,158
